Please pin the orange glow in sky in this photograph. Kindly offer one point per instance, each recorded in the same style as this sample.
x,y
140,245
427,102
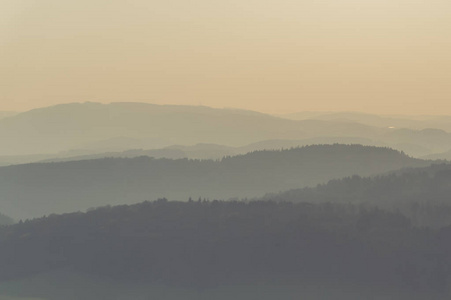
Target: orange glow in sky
x,y
276,56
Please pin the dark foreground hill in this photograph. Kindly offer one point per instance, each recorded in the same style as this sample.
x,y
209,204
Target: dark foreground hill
x,y
36,189
422,193
205,245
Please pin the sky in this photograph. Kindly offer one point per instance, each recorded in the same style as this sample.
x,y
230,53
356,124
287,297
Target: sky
x,y
274,56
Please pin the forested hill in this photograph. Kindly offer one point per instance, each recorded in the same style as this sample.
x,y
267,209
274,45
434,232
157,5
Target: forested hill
x,y
5,220
415,191
431,184
33,190
202,244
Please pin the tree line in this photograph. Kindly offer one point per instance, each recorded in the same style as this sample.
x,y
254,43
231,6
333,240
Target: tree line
x,y
209,243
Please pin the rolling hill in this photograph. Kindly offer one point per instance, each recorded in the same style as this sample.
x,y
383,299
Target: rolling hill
x,y
6,114
32,190
418,192
215,249
416,122
96,128
121,126
197,151
443,155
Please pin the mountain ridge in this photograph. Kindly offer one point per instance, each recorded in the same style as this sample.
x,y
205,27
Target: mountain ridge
x,y
43,188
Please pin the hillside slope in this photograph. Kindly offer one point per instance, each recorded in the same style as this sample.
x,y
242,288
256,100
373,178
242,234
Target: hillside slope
x,y
33,190
200,246
417,192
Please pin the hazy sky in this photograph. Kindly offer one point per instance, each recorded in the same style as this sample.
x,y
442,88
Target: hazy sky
x,y
382,56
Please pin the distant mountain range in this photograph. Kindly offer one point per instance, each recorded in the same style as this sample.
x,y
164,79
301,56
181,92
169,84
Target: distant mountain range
x,y
32,190
418,122
92,128
443,155
102,127
5,114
